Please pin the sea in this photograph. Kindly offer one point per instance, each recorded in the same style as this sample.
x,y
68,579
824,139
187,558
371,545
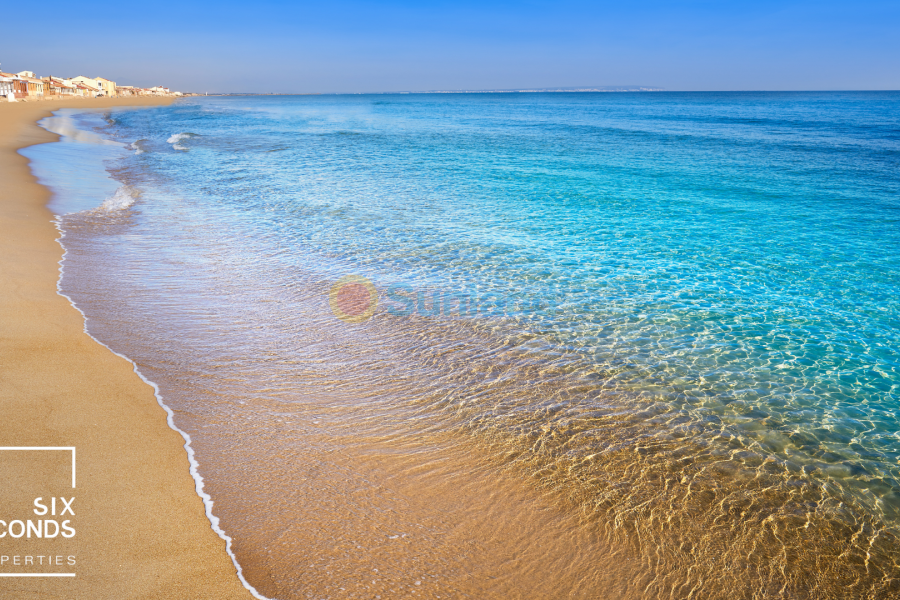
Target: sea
x,y
511,345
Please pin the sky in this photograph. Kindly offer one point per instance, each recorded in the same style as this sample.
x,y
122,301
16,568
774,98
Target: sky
x,y
338,46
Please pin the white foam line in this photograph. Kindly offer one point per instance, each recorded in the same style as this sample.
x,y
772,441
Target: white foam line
x,y
170,419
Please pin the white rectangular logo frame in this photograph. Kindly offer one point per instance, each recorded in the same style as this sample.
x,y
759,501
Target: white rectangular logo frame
x,y
72,448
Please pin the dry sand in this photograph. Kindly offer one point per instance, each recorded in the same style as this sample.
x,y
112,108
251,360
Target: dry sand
x,y
141,529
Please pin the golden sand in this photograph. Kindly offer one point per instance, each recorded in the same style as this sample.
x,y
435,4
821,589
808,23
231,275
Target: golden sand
x,y
141,529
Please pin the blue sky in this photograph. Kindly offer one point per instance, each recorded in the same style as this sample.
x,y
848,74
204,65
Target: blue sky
x,y
340,46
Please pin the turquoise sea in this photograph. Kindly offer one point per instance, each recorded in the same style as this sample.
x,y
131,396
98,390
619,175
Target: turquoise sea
x,y
620,344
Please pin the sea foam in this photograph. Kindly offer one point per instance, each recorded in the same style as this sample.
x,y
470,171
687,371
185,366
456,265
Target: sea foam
x,y
138,146
176,140
124,197
62,124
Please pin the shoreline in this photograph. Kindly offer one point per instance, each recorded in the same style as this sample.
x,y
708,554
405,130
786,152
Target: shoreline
x,y
483,489
142,534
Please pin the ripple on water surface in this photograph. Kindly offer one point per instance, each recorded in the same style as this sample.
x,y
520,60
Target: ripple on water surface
x,y
674,372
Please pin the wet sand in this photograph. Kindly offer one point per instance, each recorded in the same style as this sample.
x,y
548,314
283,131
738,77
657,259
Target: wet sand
x,y
141,529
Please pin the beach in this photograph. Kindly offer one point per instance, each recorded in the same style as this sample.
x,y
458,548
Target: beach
x,y
141,528
419,351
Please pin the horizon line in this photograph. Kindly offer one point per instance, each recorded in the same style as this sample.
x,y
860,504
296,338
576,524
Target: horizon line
x,y
647,90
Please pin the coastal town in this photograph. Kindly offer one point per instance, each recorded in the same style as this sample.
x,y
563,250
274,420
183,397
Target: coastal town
x,y
26,85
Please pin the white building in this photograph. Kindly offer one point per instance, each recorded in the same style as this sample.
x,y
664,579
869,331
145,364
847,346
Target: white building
x,y
6,85
89,83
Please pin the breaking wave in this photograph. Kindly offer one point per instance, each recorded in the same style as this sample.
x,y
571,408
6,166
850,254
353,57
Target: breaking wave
x,y
124,197
176,140
139,146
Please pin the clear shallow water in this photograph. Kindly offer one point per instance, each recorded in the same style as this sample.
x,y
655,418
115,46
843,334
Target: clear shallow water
x,y
676,369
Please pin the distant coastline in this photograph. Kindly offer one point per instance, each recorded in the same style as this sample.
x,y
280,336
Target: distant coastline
x,y
607,89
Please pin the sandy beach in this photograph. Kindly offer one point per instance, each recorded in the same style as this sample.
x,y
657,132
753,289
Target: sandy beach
x,y
141,529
